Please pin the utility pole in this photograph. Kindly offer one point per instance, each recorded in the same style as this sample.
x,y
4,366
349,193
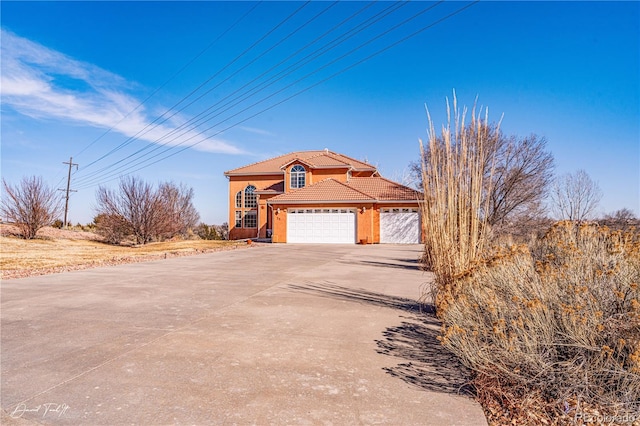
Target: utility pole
x,y
66,203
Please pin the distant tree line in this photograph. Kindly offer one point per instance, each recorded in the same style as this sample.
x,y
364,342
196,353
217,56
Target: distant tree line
x,y
135,211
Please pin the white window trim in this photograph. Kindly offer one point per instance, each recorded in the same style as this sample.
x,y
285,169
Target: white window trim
x,y
296,173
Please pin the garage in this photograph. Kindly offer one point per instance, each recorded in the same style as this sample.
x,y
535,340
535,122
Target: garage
x,y
399,226
323,226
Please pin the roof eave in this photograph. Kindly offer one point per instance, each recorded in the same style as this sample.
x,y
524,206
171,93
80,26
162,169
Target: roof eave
x,y
320,201
268,192
346,166
254,173
287,164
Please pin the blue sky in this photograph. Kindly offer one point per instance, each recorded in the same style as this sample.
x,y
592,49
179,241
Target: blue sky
x,y
92,80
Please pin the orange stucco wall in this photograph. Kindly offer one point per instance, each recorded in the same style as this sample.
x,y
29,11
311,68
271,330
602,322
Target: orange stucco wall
x,y
365,221
239,183
279,226
318,175
321,174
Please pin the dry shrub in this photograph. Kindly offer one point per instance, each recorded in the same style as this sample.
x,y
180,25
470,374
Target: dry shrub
x,y
554,325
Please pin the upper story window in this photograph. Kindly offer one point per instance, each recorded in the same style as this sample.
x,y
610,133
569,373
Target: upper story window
x,y
239,199
298,176
250,198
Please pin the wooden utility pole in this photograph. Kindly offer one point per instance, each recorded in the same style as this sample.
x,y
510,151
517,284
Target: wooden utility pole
x,y
66,202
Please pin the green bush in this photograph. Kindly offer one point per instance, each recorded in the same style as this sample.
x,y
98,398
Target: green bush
x,y
207,232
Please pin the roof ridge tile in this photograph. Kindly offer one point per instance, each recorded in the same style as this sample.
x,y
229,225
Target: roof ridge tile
x,y
289,154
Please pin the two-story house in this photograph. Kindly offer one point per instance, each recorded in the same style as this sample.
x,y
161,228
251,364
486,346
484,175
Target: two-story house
x,y
320,197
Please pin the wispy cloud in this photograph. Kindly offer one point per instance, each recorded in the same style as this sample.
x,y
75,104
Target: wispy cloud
x,y
255,130
45,84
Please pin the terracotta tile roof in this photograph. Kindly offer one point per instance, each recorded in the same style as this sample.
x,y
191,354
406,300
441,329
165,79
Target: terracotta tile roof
x,y
275,188
324,191
367,189
327,160
384,189
322,158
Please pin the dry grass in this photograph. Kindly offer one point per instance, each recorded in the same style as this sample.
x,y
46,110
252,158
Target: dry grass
x,y
57,251
454,213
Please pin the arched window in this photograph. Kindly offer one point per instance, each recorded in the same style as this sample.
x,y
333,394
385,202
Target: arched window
x,y
298,176
250,198
239,199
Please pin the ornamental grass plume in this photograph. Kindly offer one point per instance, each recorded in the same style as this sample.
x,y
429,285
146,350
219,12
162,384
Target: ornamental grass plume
x,y
453,175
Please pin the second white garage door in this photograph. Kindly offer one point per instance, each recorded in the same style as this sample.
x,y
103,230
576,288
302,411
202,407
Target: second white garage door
x,y
400,226
332,226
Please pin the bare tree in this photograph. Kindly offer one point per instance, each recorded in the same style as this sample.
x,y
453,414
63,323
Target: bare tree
x,y
137,209
31,205
176,213
136,202
517,174
575,196
522,174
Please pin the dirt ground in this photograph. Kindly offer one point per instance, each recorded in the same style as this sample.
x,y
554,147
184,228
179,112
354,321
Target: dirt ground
x,y
55,250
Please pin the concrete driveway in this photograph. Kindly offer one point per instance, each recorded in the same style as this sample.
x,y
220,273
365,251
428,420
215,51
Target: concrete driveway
x,y
275,334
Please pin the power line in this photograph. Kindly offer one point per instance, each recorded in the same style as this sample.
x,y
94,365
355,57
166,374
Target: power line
x,y
134,137
171,78
140,133
318,52
378,52
184,67
272,94
198,119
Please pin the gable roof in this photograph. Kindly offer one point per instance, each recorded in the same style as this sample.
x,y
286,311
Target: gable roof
x,y
363,189
384,189
314,159
328,190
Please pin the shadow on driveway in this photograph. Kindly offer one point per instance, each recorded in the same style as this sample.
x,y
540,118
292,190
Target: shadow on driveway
x,y
408,264
427,364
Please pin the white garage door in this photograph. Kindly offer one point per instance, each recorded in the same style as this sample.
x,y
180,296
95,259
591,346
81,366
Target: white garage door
x,y
400,226
332,226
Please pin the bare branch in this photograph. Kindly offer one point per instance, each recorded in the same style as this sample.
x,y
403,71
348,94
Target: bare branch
x,y
144,213
31,205
575,196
